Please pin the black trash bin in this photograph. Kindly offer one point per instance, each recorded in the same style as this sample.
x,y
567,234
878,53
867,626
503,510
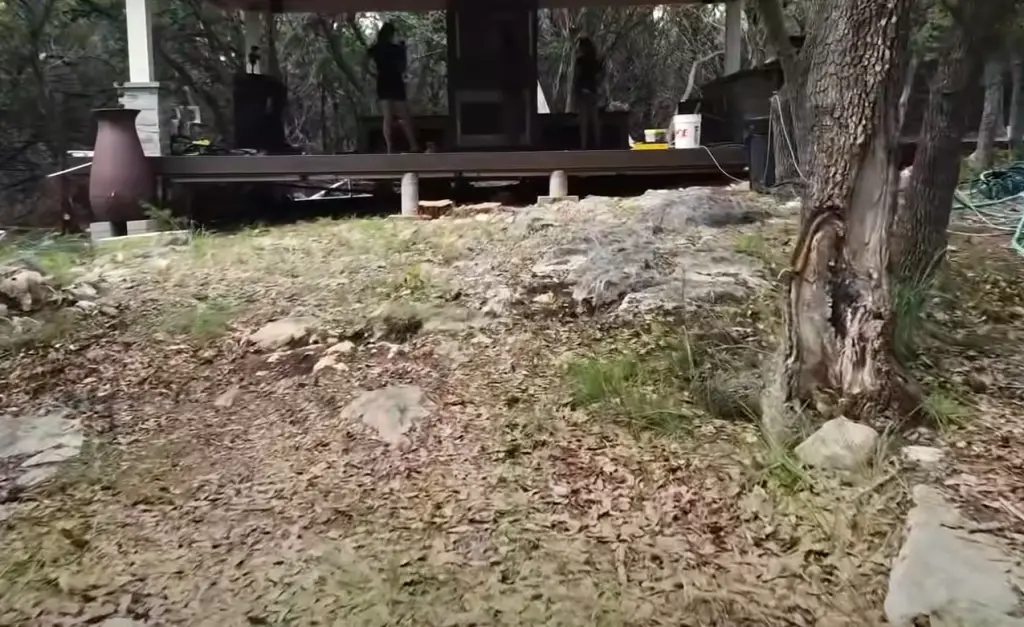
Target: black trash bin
x,y
760,153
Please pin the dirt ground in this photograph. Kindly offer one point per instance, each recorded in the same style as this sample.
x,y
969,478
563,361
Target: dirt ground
x,y
576,465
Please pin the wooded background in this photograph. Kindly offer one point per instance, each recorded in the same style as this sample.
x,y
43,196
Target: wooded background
x,y
59,59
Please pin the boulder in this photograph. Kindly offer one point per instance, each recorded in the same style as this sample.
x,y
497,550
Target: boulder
x,y
839,444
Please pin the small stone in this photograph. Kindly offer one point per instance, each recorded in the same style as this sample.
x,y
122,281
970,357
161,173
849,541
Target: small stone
x,y
283,332
544,299
86,306
839,444
329,360
3,310
924,456
227,398
83,292
343,347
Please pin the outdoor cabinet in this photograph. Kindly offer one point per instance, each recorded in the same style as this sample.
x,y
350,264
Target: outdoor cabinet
x,y
492,74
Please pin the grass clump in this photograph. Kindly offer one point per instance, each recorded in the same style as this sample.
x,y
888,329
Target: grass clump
x,y
945,410
205,320
667,384
910,300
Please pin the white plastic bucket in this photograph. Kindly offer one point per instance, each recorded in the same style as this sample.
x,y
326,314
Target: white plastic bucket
x,y
686,130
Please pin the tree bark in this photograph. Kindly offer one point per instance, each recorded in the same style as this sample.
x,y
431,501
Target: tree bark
x,y
919,228
984,154
837,348
922,220
1016,115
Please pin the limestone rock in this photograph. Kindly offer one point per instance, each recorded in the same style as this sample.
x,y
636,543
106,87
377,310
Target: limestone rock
x,y
30,434
839,444
283,332
227,398
951,575
35,476
25,288
924,456
343,347
121,622
680,210
390,411
83,292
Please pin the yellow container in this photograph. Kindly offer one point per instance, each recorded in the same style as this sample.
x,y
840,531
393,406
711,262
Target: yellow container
x,y
650,146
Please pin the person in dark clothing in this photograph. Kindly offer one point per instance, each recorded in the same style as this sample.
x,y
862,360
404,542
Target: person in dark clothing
x,y
390,59
511,92
586,88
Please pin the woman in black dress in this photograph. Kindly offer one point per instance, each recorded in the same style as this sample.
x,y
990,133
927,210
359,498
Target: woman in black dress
x,y
586,86
390,58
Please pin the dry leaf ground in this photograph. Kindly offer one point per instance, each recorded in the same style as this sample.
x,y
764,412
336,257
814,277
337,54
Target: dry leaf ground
x,y
571,473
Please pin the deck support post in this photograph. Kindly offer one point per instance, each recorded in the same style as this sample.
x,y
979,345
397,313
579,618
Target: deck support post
x,y
410,194
558,189
142,91
733,36
558,184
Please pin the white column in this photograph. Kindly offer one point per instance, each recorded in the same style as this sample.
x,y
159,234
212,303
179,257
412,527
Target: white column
x,y
733,36
253,29
138,15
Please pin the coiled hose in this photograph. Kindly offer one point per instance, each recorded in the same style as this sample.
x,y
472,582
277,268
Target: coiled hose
x,y
996,197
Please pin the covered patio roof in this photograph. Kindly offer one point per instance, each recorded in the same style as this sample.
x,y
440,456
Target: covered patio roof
x,y
350,6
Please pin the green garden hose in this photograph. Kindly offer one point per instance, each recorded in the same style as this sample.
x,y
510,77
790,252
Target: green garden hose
x,y
996,197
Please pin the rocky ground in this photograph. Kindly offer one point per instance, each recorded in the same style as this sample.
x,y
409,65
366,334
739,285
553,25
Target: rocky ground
x,y
539,416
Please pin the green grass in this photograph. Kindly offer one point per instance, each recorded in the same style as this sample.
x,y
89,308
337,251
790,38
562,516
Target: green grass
x,y
44,329
910,300
945,410
58,258
205,320
667,382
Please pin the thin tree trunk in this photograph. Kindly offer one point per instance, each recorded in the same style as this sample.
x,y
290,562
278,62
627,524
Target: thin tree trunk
x,y
1016,116
984,154
838,314
920,227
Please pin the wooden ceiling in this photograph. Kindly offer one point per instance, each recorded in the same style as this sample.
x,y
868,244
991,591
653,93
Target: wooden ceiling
x,y
350,6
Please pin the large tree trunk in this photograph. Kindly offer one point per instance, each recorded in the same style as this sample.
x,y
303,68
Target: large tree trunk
x,y
984,154
837,310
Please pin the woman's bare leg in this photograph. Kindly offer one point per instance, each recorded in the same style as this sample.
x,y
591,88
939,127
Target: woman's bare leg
x,y
388,111
405,119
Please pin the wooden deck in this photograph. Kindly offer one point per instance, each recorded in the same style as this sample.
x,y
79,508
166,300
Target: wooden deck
x,y
710,160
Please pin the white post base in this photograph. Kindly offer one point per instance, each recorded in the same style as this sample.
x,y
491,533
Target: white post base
x,y
155,115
